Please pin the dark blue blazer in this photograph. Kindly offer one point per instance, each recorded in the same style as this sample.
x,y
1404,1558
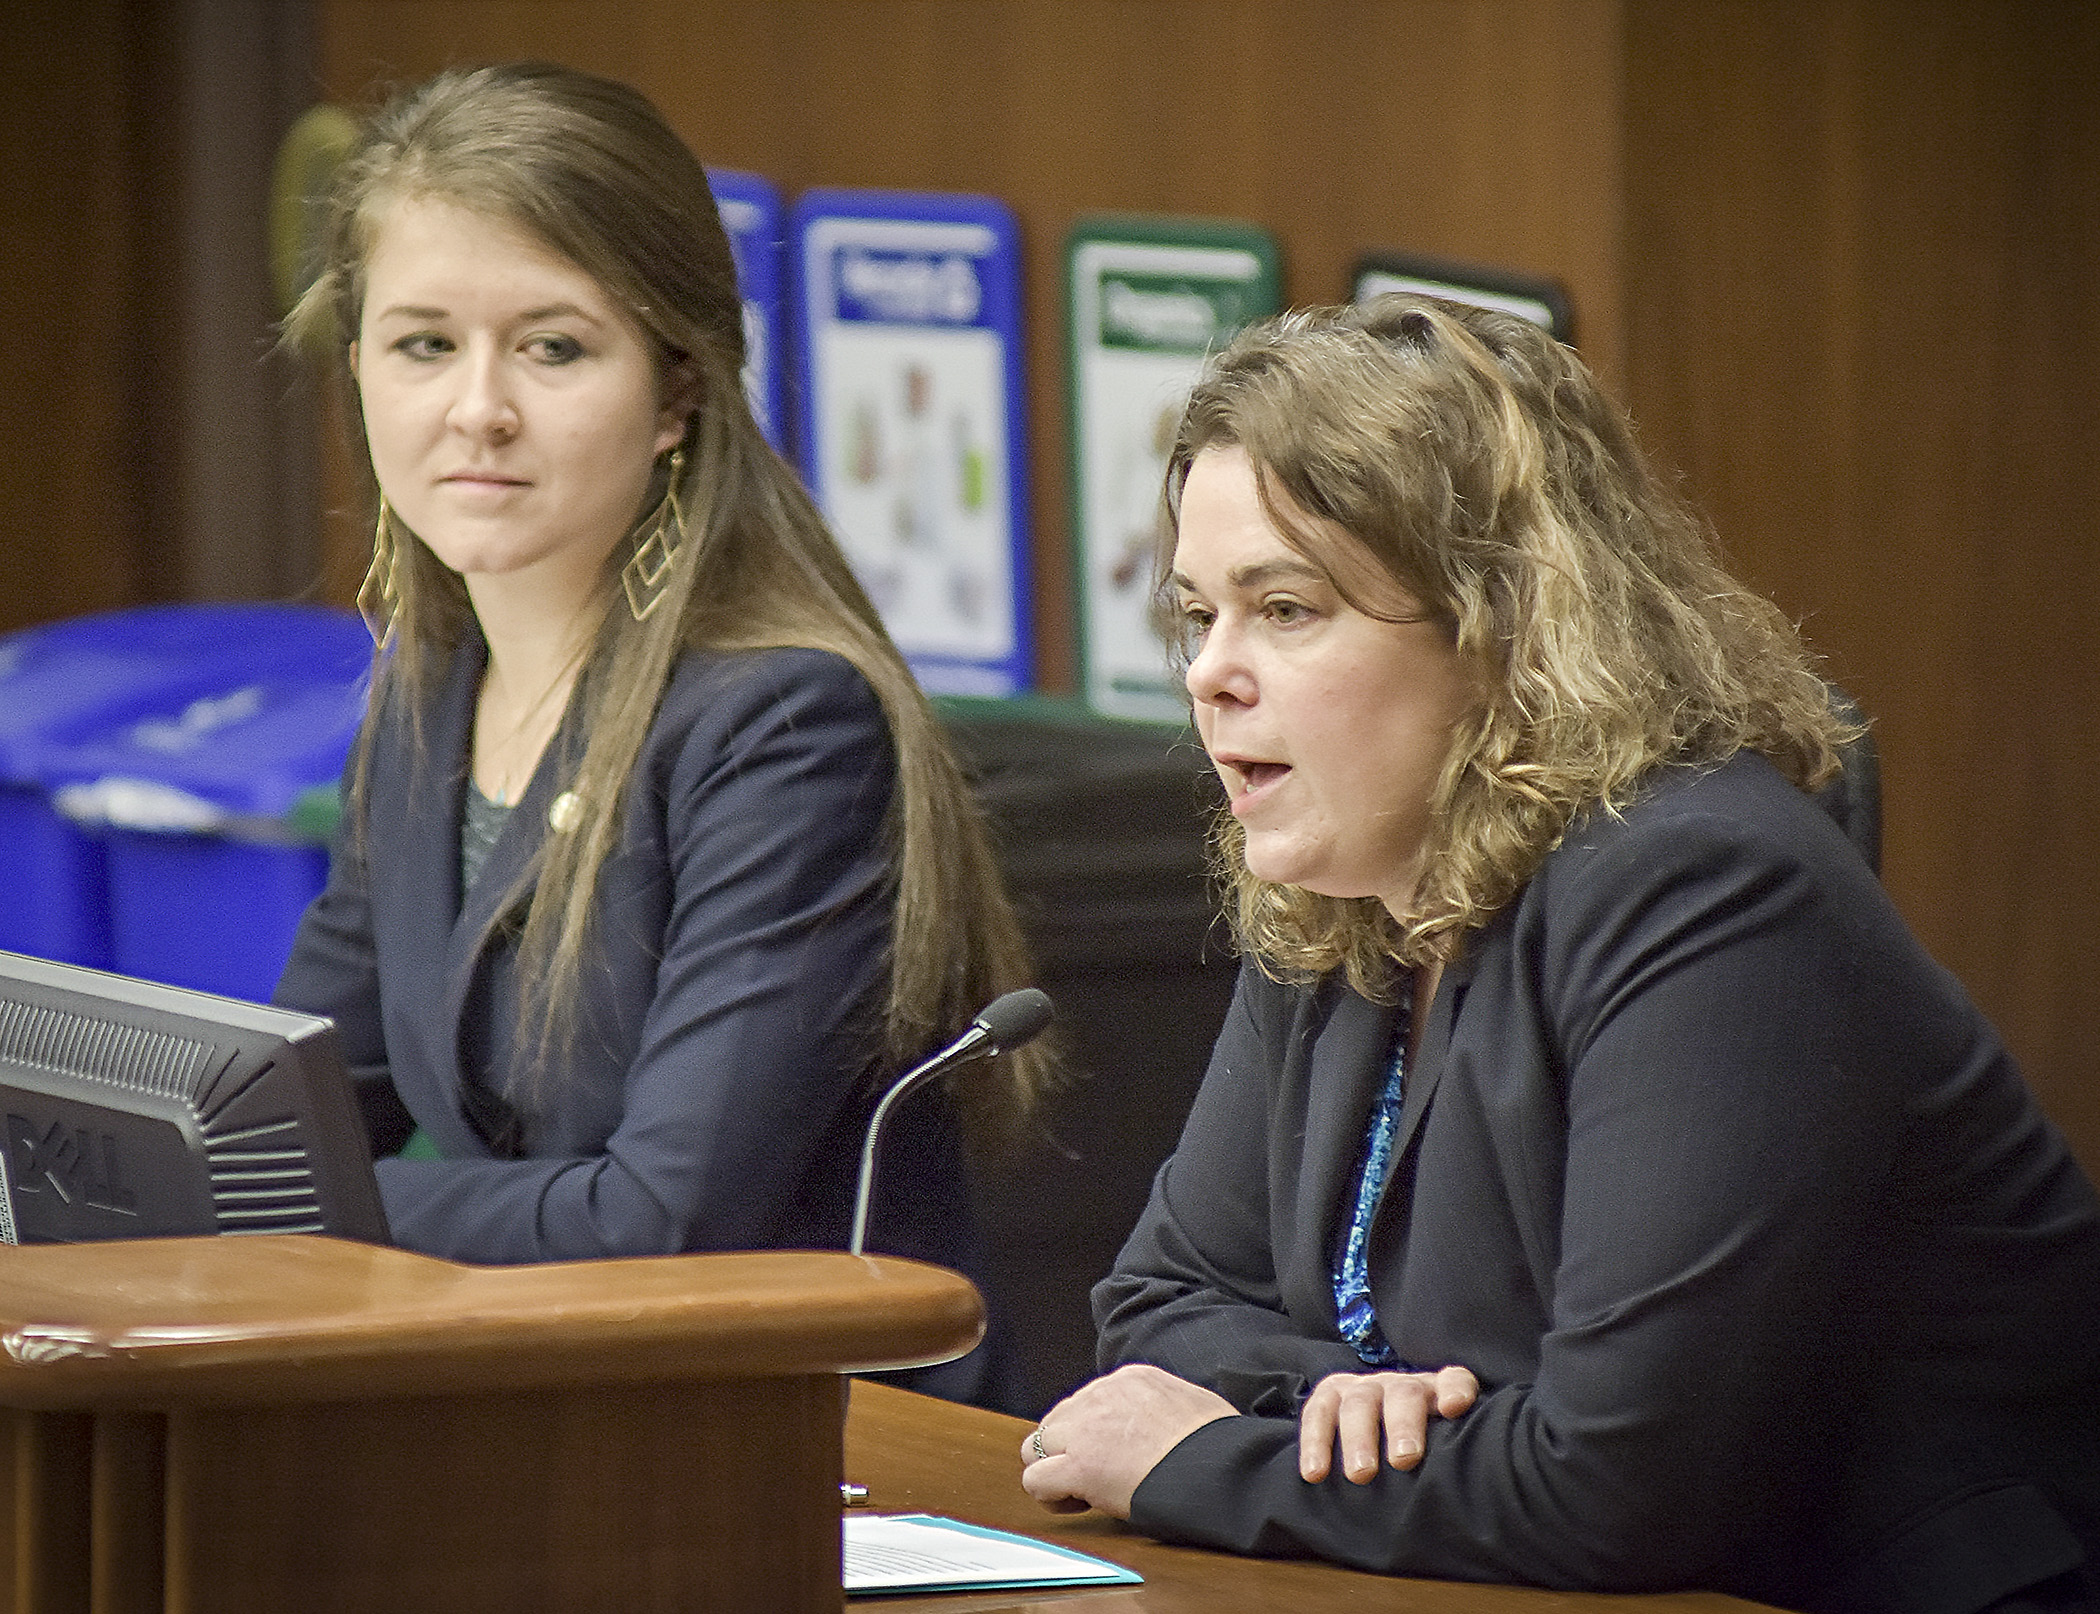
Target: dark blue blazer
x,y
718,1089
1775,1279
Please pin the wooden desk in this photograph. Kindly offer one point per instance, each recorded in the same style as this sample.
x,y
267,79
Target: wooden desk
x,y
263,1425
917,1455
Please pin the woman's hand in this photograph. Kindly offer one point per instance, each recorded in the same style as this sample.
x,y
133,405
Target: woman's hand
x,y
1093,1447
1357,1407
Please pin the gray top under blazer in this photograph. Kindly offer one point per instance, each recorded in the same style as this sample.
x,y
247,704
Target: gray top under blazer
x,y
1776,1280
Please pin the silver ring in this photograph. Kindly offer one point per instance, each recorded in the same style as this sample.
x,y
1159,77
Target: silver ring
x,y
1036,1440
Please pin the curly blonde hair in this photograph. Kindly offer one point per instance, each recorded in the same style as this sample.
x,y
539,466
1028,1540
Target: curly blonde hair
x,y
1467,456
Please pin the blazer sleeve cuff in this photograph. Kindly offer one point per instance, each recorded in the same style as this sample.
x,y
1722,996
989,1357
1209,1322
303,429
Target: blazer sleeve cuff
x,y
1200,1492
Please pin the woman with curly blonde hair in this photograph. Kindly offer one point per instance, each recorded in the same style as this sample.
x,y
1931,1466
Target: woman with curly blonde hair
x,y
1595,1185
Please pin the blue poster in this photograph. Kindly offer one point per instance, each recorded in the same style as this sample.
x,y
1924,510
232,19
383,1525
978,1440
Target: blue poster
x,y
907,308
750,209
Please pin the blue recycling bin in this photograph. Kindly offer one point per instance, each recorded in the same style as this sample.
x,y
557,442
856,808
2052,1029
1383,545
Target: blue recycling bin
x,y
53,681
151,765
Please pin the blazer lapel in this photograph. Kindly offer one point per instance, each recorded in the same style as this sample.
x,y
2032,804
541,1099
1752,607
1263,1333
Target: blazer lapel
x,y
1428,1066
428,833
415,811
1346,1068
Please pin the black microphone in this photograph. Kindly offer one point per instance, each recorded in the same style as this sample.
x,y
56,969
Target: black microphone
x,y
1004,1025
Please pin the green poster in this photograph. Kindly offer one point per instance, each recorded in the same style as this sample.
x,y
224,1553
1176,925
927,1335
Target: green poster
x,y
1148,298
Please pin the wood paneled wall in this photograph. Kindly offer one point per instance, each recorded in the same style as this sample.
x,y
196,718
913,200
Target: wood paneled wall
x,y
1862,273
70,399
151,446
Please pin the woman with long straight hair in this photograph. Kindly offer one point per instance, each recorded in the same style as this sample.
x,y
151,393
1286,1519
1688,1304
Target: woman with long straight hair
x,y
655,863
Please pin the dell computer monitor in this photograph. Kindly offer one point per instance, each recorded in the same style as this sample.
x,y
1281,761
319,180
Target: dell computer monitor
x,y
129,1109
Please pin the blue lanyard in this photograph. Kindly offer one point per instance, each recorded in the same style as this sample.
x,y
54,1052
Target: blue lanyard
x,y
1352,1279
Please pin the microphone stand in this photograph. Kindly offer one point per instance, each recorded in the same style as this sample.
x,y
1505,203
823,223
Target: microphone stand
x,y
1004,1025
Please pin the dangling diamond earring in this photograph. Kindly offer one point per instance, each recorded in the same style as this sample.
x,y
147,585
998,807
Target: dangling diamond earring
x,y
647,569
379,594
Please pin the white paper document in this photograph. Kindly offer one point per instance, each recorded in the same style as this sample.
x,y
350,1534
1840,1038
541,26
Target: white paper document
x,y
917,1552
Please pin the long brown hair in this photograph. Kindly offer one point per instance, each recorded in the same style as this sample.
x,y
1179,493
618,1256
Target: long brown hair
x,y
1469,457
589,167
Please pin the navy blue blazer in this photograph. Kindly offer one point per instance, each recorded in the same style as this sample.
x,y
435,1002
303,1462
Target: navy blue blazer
x,y
718,1090
1776,1280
